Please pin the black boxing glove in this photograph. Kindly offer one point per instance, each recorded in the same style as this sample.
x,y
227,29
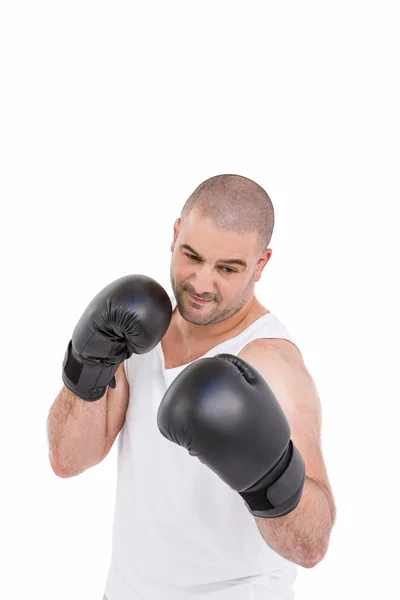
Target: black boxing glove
x,y
222,410
130,315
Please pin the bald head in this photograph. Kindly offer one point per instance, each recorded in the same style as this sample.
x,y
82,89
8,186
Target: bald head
x,y
234,203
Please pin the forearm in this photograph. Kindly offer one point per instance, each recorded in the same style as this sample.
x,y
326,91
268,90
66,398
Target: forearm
x,y
302,536
77,432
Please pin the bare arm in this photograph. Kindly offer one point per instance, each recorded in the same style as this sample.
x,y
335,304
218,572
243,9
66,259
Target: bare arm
x,y
301,536
81,433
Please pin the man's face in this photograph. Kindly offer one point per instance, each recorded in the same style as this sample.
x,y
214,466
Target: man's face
x,y
202,267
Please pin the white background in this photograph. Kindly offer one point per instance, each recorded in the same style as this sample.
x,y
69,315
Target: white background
x,y
111,114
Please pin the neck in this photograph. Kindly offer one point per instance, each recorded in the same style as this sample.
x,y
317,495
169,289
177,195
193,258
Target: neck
x,y
189,331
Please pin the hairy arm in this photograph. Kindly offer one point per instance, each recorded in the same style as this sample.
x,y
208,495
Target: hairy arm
x,y
81,433
301,536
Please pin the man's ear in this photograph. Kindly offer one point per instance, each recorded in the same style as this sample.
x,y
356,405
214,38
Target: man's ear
x,y
176,232
262,261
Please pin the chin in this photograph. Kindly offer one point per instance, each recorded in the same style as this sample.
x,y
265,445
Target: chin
x,y
197,316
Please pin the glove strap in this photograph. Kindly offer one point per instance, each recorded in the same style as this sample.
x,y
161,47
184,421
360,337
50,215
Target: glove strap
x,y
89,381
279,492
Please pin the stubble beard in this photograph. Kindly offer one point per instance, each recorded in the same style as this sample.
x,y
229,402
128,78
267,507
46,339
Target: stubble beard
x,y
207,316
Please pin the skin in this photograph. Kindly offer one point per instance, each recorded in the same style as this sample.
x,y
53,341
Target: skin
x,y
228,288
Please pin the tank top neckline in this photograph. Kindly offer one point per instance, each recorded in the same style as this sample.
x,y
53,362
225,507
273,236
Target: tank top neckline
x,y
250,327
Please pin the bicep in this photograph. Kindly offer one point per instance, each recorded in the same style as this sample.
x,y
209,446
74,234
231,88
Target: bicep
x,y
304,413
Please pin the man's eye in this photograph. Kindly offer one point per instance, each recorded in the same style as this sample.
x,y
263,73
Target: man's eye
x,y
226,270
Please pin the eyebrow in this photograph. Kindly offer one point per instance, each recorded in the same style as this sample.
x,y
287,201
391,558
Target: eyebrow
x,y
228,261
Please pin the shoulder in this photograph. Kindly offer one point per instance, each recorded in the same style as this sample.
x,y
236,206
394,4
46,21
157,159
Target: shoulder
x,y
281,364
277,346
276,355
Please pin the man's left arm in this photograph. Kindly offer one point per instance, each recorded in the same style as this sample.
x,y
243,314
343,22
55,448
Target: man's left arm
x,y
301,536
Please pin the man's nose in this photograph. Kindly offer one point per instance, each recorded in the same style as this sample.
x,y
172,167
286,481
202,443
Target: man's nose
x,y
202,283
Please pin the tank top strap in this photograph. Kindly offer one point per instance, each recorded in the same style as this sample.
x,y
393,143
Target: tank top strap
x,y
266,326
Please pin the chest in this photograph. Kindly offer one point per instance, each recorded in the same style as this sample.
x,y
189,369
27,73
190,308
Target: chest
x,y
177,354
178,351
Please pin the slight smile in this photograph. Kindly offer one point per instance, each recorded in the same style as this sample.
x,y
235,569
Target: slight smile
x,y
199,300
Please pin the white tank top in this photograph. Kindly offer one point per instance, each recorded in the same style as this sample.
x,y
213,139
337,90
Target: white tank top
x,y
179,531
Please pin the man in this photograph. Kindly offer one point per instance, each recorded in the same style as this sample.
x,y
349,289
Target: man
x,y
222,488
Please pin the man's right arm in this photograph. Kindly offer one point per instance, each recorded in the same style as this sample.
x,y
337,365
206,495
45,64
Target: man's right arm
x,y
129,316
81,433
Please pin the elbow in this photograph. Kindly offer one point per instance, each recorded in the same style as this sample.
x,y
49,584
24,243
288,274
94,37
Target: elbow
x,y
313,559
66,474
60,472
310,563
57,471
53,463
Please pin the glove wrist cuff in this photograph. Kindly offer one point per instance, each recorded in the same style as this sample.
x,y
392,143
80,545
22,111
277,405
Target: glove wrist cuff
x,y
86,380
279,492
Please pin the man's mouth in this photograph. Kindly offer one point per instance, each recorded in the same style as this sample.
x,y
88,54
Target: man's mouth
x,y
199,300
